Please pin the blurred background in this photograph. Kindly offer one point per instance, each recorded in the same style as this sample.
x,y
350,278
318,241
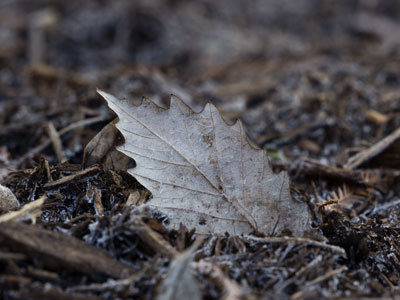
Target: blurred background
x,y
309,78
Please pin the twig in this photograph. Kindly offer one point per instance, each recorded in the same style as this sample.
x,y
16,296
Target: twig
x,y
47,168
231,290
312,168
41,70
154,239
56,141
326,276
300,294
309,266
297,240
65,130
372,151
11,255
97,200
30,210
110,284
40,22
78,175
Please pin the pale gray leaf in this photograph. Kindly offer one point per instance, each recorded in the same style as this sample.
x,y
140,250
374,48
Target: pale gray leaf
x,y
204,173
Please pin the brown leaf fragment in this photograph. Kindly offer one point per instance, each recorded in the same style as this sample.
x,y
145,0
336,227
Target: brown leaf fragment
x,y
179,283
58,249
101,150
204,173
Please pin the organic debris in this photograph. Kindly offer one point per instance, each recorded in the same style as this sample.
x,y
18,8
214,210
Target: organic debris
x,y
315,83
203,173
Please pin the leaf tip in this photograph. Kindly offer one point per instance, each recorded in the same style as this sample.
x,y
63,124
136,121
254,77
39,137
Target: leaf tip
x,y
108,97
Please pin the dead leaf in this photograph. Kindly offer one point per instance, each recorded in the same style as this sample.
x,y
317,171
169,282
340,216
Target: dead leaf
x,y
101,149
204,173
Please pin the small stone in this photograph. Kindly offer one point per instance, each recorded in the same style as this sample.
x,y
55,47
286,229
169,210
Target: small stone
x,y
7,200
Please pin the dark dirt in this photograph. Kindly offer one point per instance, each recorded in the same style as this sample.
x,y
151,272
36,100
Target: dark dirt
x,y
315,82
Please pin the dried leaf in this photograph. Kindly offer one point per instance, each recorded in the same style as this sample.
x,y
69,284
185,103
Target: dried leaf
x,y
101,149
204,173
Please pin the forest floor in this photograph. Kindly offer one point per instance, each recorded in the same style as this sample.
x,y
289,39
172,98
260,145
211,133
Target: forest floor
x,y
316,83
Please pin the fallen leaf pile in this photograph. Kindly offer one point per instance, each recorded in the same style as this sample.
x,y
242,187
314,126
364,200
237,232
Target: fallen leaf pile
x,y
205,173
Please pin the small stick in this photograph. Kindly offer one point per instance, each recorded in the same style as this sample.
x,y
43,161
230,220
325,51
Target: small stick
x,y
4,256
29,210
372,151
47,168
56,141
97,200
67,179
47,142
108,285
300,294
40,22
154,239
231,289
313,168
297,240
326,276
309,266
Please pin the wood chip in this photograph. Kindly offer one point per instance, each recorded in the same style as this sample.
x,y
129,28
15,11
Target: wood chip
x,y
28,211
376,117
154,239
61,250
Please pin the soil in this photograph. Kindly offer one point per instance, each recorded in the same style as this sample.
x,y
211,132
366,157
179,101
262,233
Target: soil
x,y
316,83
